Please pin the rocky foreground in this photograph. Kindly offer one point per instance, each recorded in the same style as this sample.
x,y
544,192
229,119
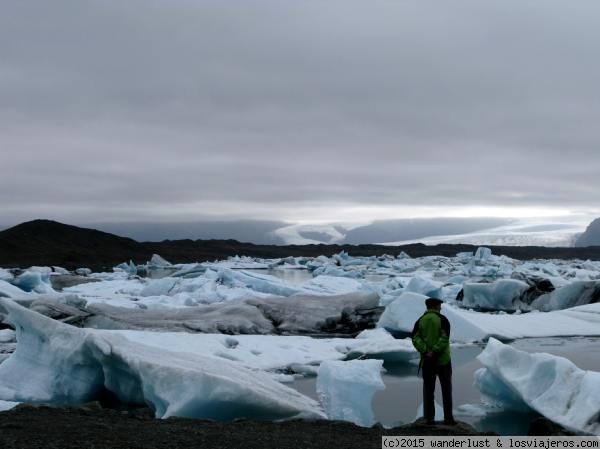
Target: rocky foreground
x,y
94,427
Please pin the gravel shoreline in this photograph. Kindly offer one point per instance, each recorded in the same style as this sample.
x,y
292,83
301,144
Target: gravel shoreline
x,y
34,427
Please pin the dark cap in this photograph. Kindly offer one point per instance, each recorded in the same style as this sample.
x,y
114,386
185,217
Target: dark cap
x,y
432,302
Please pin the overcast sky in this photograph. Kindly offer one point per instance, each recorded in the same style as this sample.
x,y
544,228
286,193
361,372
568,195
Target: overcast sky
x,y
298,110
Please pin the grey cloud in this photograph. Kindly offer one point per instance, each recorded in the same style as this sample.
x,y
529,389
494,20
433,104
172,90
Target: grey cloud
x,y
127,109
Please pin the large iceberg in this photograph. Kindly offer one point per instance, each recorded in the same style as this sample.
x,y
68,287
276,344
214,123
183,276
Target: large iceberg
x,y
300,314
346,389
60,364
552,386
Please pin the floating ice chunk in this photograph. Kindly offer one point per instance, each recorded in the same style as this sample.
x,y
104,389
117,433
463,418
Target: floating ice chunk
x,y
439,412
60,270
331,285
60,364
157,287
406,265
406,302
157,261
34,280
310,314
458,279
464,256
332,270
129,268
263,283
10,291
379,344
482,253
574,294
83,271
191,271
504,294
425,287
552,386
346,389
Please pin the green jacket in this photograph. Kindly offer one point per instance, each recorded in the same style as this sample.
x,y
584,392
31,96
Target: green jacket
x,y
432,333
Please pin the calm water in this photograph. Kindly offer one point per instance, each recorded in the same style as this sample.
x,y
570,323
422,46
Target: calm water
x,y
293,276
398,403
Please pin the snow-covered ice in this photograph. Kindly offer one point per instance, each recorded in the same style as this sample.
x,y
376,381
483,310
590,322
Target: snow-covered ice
x,y
346,389
552,386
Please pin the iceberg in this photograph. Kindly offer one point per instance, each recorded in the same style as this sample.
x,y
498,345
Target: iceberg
x,y
504,294
346,389
129,268
262,283
574,294
380,344
482,254
425,287
331,285
552,386
34,280
468,326
63,365
158,261
299,314
10,291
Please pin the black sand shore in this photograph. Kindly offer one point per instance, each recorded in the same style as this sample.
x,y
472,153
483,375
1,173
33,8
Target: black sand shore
x,y
30,427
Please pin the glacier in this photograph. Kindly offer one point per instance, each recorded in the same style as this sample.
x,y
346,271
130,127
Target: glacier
x,y
552,386
346,389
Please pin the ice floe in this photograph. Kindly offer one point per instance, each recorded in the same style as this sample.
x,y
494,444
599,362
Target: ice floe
x,y
346,389
552,386
470,326
60,364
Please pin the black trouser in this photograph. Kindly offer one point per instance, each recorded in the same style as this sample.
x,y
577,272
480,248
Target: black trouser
x,y
431,370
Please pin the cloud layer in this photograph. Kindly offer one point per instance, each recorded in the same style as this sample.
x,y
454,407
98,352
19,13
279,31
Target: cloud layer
x,y
297,110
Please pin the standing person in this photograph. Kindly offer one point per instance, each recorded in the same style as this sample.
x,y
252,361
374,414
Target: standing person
x,y
431,337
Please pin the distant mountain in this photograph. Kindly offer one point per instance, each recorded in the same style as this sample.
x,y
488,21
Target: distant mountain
x,y
591,236
254,231
45,242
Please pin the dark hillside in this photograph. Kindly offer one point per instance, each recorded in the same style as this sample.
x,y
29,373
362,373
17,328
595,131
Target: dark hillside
x,y
45,242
